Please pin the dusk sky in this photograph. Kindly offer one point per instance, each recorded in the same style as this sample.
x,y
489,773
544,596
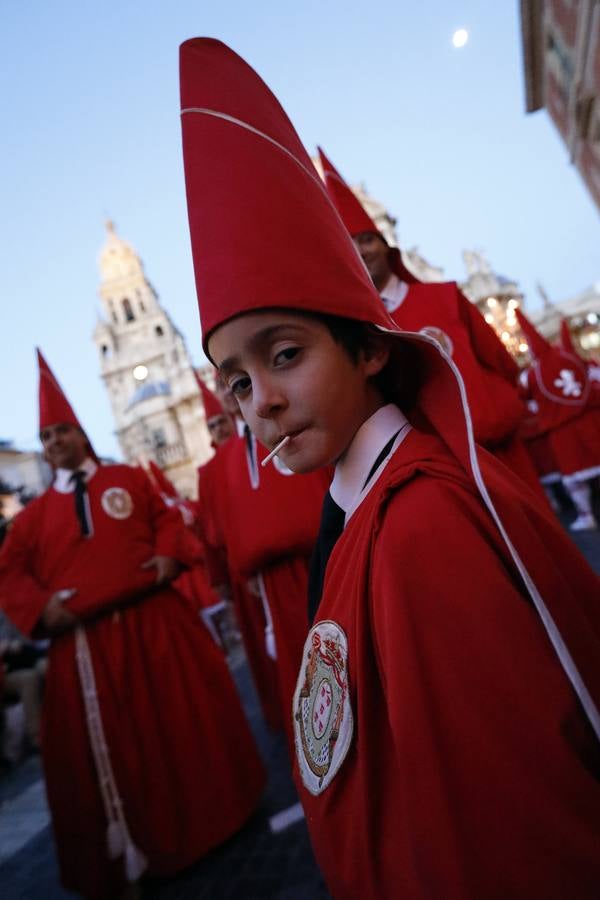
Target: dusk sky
x,y
90,114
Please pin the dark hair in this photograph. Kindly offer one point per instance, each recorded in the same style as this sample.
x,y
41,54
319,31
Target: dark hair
x,y
398,382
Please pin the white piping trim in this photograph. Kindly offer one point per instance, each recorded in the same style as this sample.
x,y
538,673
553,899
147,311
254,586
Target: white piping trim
x,y
556,639
270,644
252,461
314,175
227,118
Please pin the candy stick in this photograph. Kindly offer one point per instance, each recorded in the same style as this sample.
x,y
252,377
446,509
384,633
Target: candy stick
x,y
275,450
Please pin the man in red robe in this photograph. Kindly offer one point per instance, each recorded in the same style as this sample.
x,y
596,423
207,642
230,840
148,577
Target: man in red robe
x,y
264,523
443,312
148,759
446,710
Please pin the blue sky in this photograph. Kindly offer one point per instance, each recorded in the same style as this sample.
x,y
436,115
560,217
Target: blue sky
x,y
89,103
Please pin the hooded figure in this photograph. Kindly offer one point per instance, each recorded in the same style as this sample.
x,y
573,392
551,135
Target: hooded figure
x,y
134,682
444,313
567,412
446,708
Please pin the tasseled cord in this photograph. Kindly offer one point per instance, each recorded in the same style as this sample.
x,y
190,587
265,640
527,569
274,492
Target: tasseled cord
x,y
118,837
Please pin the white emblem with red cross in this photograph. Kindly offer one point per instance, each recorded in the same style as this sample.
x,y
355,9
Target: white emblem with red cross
x,y
323,721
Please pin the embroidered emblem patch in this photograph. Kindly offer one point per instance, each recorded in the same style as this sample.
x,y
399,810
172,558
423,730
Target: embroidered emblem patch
x,y
323,721
117,503
443,339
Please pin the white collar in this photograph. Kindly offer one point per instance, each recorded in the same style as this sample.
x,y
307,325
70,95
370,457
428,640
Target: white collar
x,y
62,479
394,293
352,470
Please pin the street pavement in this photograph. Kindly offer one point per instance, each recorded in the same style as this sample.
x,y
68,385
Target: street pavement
x,y
269,859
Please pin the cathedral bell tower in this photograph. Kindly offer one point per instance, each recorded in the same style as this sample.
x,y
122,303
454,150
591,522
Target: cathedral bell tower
x,y
147,370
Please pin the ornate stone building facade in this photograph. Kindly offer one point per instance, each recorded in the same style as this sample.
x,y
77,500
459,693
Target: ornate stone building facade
x,y
497,298
147,370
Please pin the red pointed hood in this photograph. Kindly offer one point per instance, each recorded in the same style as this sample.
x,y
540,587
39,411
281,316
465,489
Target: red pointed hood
x,y
210,401
55,409
355,217
283,240
538,344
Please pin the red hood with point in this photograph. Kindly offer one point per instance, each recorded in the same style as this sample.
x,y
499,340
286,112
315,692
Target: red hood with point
x,y
356,218
210,401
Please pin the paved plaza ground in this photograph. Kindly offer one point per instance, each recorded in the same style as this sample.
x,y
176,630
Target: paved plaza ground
x,y
270,859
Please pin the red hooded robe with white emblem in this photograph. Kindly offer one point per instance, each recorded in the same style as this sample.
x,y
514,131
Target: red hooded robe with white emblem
x,y
181,753
458,622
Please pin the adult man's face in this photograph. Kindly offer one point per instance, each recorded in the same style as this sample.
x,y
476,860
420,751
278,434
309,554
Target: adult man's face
x,y
65,446
226,398
374,252
220,428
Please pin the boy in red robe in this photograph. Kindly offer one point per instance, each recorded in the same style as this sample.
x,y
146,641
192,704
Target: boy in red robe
x,y
148,760
443,312
446,710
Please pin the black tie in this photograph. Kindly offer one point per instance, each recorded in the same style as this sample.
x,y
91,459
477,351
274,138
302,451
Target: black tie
x,y
332,525
80,489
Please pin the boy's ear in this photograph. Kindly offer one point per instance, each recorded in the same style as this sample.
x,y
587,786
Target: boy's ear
x,y
376,354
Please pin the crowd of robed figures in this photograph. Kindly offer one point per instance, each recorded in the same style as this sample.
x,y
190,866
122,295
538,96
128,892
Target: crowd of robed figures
x,y
414,617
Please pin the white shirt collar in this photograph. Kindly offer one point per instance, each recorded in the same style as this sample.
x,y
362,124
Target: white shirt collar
x,y
394,293
62,479
352,470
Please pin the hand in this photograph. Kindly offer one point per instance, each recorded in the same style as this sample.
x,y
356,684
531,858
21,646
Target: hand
x,y
56,617
167,568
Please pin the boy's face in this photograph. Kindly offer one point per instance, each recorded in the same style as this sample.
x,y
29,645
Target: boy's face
x,y
290,377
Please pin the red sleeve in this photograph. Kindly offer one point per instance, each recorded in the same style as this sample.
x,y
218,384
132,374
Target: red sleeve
x,y
488,347
172,537
22,597
215,554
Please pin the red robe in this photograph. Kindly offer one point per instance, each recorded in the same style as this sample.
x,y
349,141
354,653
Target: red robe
x,y
488,370
567,412
248,608
184,760
470,771
268,522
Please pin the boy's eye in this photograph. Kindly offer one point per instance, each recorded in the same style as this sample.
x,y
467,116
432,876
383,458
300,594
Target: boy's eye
x,y
285,355
239,386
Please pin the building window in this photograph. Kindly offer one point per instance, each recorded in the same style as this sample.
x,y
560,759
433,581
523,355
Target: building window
x,y
159,331
105,350
159,438
127,309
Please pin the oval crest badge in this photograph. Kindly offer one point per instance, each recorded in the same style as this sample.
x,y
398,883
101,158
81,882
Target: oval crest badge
x,y
322,715
117,503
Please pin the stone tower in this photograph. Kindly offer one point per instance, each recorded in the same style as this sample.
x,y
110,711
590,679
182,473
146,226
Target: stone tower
x,y
147,370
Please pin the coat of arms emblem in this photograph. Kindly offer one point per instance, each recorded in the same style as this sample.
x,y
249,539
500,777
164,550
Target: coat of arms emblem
x,y
323,722
117,503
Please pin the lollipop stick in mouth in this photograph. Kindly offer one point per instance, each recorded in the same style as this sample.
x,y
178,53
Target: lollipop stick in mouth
x,y
275,450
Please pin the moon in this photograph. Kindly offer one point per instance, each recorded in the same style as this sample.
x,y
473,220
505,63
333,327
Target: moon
x,y
460,37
